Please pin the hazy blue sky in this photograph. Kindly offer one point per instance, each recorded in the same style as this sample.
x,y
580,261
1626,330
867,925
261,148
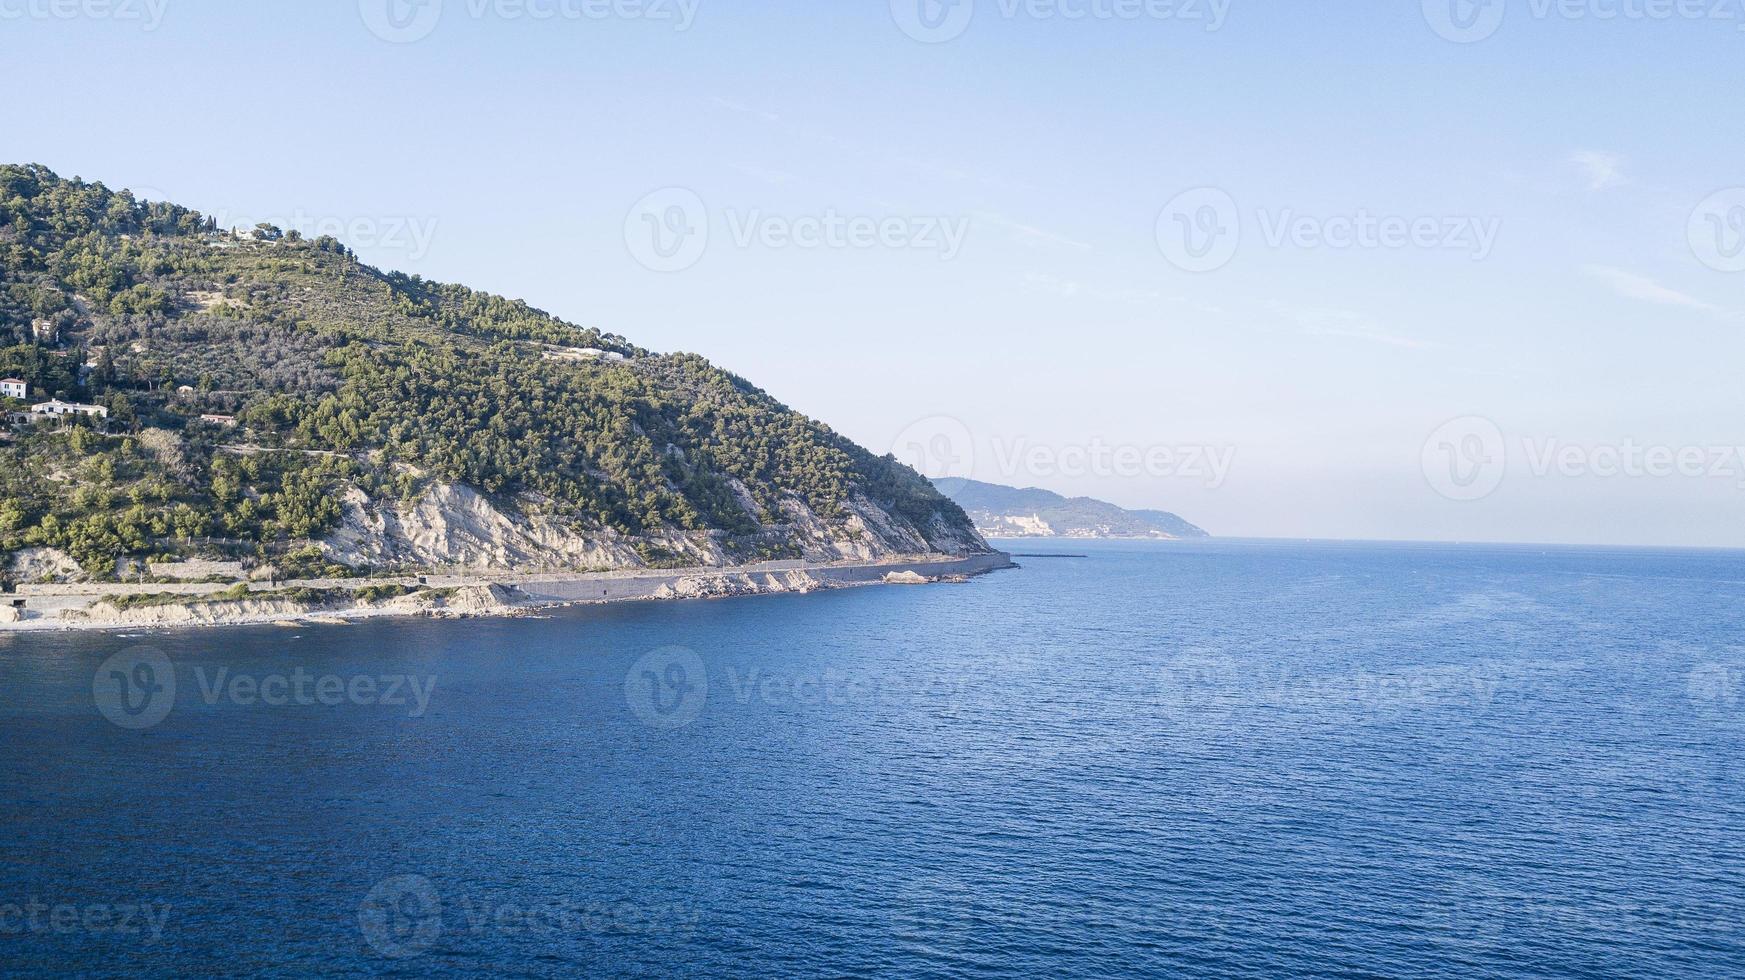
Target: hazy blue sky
x,y
1573,281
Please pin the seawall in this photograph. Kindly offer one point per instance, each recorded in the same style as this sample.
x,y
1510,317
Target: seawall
x,y
76,606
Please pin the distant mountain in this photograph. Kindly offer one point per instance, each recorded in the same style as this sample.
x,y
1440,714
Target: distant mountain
x,y
1170,524
1008,512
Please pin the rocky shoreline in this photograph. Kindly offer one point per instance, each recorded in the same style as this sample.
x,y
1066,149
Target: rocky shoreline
x,y
100,608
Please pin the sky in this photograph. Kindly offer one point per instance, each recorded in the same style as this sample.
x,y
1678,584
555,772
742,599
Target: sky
x,y
1450,270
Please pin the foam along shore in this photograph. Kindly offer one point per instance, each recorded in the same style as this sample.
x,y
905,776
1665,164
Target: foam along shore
x,y
107,606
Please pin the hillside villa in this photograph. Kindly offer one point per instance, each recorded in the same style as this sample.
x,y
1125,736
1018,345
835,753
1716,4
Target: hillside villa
x,y
55,407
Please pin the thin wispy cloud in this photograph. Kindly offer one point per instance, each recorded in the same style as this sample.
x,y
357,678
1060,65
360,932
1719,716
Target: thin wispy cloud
x,y
1632,286
933,170
1064,288
1030,234
1345,325
740,107
1209,309
1600,170
765,174
1052,284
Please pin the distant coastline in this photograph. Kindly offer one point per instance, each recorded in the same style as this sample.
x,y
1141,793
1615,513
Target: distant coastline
x,y
1031,513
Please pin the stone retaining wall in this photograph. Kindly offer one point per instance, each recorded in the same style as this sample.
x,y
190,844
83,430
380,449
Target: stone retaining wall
x,y
48,600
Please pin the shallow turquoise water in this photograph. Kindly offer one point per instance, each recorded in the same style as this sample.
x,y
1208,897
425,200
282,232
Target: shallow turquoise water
x,y
1214,759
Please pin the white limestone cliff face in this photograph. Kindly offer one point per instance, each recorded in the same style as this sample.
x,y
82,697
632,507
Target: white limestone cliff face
x,y
453,526
44,565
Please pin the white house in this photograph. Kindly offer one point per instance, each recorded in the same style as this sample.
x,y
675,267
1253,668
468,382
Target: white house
x,y
581,354
14,388
58,407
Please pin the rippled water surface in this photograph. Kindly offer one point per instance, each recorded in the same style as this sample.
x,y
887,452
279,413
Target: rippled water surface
x,y
1215,759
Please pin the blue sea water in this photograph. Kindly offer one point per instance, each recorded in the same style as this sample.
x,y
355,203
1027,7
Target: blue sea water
x,y
1217,759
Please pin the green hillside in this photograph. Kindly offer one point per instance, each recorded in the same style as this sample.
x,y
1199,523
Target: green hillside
x,y
339,375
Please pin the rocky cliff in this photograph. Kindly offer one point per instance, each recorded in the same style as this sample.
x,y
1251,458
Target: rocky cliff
x,y
453,526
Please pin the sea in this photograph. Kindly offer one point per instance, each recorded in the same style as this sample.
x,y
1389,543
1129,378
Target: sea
x,y
1210,759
